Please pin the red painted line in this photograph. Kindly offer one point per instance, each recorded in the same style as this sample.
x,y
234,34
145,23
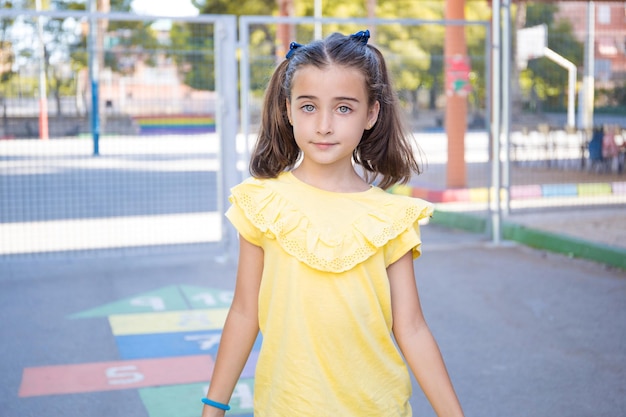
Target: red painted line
x,y
107,376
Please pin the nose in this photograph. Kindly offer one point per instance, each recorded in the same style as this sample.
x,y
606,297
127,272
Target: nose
x,y
325,123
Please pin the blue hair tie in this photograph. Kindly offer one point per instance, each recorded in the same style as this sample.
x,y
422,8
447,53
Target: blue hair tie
x,y
292,49
361,36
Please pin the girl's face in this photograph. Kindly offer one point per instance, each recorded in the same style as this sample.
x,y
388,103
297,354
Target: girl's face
x,y
329,111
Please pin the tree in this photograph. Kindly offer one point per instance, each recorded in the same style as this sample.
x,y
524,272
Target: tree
x,y
65,43
414,53
129,41
194,43
7,58
192,50
61,36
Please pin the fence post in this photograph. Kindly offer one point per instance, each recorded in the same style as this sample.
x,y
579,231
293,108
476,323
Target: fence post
x,y
496,127
226,122
93,77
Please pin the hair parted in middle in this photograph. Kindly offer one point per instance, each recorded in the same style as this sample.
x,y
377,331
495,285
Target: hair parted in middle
x,y
385,152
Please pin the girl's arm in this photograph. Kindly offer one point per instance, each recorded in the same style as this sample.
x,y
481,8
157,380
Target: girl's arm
x,y
417,342
240,330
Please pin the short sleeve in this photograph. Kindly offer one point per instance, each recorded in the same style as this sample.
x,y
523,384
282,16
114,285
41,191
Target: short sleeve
x,y
409,240
243,225
298,220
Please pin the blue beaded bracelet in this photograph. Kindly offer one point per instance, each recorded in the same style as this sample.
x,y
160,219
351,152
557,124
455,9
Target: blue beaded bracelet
x,y
215,404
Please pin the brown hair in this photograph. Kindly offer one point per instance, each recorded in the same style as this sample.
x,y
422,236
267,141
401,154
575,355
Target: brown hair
x,y
384,152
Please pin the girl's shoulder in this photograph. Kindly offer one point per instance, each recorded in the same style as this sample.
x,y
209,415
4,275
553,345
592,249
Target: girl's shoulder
x,y
328,231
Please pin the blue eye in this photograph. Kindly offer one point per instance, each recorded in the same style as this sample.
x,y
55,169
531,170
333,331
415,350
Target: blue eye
x,y
344,109
308,108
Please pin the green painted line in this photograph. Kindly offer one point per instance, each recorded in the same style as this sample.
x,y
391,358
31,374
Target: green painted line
x,y
164,299
460,221
537,239
185,400
570,246
171,298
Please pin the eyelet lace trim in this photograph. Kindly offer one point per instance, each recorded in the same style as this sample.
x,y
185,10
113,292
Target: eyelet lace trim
x,y
278,218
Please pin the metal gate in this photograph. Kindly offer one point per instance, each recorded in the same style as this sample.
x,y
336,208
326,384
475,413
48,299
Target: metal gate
x,y
153,169
261,50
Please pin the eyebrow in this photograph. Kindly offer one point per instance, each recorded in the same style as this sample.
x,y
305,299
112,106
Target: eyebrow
x,y
307,97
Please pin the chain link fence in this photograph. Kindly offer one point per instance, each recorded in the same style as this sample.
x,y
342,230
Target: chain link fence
x,y
147,174
178,105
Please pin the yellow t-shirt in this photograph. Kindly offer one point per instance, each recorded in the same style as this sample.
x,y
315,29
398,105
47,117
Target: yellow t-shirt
x,y
324,301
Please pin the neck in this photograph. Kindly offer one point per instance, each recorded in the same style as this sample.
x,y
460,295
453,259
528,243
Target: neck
x,y
344,179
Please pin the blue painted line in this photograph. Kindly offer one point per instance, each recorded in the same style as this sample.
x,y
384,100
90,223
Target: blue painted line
x,y
559,190
162,345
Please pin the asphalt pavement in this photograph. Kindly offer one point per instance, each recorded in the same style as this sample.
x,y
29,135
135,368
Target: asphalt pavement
x,y
524,332
97,332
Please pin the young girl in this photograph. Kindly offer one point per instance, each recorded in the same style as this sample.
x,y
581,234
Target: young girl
x,y
326,259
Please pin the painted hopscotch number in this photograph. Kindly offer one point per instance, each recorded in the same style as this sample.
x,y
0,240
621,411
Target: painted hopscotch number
x,y
223,298
167,339
155,303
123,375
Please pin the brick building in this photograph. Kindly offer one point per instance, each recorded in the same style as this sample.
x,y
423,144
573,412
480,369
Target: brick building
x,y
610,37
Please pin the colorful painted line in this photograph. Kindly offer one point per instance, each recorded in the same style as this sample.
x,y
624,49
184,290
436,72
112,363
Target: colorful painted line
x,y
170,298
121,375
538,239
184,400
106,376
168,321
518,192
180,124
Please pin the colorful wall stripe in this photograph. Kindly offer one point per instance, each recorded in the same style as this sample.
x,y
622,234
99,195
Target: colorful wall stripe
x,y
175,124
518,192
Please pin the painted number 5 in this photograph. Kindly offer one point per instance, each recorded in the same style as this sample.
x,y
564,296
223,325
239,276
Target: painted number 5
x,y
119,375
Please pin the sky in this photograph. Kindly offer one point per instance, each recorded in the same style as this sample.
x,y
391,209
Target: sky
x,y
165,7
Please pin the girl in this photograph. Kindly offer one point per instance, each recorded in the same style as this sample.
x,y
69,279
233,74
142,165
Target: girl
x,y
326,259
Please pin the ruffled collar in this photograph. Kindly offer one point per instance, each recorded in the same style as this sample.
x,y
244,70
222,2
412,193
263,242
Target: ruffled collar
x,y
328,231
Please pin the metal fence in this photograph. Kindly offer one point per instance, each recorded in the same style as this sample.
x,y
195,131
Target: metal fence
x,y
154,168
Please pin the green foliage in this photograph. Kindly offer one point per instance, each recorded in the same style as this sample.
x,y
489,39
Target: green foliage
x,y
611,100
65,47
7,54
192,50
194,43
128,43
414,53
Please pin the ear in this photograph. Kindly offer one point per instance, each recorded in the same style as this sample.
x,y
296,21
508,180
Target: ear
x,y
288,103
372,114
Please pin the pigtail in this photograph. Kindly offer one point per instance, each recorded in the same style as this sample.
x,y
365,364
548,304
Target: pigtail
x,y
275,149
386,151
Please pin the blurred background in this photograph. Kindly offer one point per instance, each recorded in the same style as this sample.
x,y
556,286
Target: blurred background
x,y
123,125
109,128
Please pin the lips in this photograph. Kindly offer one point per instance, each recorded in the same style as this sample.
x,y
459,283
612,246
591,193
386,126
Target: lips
x,y
323,145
